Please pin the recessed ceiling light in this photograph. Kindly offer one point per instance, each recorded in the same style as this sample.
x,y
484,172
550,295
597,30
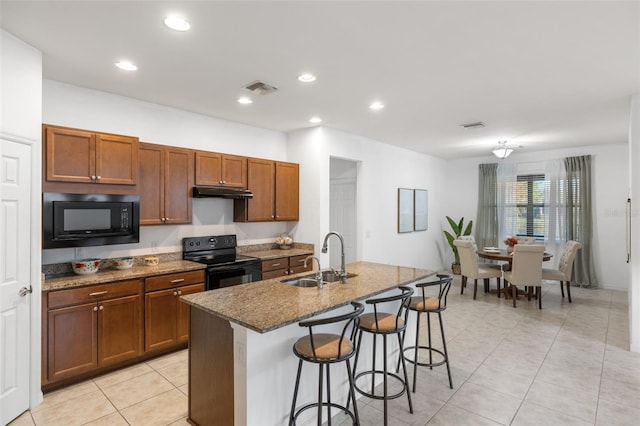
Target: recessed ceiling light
x,y
307,78
244,101
177,23
315,120
126,65
376,105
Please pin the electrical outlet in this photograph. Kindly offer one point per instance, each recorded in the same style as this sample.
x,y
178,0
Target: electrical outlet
x,y
79,253
154,246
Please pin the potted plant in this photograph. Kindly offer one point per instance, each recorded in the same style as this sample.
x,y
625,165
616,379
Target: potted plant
x,y
457,228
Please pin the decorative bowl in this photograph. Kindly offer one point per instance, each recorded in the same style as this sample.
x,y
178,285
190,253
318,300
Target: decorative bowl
x,y
86,266
151,261
122,262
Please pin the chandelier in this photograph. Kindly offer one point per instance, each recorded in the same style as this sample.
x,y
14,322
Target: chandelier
x,y
502,151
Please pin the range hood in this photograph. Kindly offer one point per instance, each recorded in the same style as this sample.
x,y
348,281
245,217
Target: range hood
x,y
219,192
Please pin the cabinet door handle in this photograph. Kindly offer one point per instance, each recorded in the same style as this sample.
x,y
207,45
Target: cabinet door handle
x,y
95,309
179,292
98,293
93,177
101,308
99,177
275,264
301,261
179,280
175,293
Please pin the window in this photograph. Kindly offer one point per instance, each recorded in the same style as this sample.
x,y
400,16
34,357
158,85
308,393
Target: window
x,y
525,208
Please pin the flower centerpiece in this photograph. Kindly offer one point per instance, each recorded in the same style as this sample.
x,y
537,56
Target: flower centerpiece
x,y
510,242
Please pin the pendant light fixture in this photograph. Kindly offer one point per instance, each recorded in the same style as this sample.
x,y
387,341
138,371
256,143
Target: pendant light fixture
x,y
502,151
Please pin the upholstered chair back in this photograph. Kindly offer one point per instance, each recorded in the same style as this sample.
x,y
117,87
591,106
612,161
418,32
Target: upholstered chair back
x,y
526,269
468,258
565,264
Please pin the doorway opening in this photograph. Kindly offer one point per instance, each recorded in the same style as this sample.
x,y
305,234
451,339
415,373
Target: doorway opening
x,y
343,209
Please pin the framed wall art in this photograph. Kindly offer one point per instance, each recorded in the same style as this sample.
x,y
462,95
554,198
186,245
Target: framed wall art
x,y
405,210
420,206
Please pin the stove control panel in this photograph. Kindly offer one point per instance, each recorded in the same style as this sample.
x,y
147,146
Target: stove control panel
x,y
209,243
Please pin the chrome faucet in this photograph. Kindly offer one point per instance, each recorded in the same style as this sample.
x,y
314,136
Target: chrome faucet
x,y
319,273
343,269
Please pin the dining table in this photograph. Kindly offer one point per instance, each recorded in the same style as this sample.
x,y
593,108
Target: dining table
x,y
505,255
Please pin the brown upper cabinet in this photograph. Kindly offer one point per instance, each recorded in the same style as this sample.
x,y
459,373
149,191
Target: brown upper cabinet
x,y
166,180
275,188
78,160
215,169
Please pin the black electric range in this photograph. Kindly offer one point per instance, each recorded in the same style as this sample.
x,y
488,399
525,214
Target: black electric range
x,y
225,267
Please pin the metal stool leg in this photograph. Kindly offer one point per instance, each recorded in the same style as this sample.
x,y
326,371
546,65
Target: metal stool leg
x,y
406,379
444,347
320,394
429,340
328,395
295,393
352,392
415,352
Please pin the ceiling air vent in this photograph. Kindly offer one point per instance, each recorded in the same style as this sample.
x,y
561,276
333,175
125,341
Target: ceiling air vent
x,y
476,125
260,88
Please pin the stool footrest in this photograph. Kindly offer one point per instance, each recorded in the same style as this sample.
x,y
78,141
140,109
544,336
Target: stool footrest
x,y
324,404
373,373
425,364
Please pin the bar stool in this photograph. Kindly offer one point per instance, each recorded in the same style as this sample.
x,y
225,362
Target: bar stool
x,y
429,305
326,349
383,324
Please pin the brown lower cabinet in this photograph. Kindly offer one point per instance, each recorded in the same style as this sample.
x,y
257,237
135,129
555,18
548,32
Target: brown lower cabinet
x,y
166,317
283,266
92,329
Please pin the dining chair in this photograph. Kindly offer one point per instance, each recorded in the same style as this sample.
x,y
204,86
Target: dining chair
x,y
470,268
526,240
526,270
565,267
469,238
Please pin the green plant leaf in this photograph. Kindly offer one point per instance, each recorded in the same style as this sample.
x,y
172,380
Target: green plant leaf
x,y
454,226
468,230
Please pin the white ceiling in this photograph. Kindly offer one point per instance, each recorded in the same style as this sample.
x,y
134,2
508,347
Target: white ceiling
x,y
541,75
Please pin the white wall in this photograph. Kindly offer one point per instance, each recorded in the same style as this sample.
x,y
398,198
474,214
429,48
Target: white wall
x,y
610,189
72,106
20,119
383,169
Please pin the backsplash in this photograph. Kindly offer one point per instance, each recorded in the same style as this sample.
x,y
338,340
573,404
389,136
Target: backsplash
x,y
64,268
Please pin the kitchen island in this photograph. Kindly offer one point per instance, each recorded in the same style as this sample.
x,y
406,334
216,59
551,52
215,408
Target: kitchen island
x,y
241,365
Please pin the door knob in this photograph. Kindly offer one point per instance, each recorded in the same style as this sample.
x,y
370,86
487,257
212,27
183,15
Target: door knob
x,y
24,291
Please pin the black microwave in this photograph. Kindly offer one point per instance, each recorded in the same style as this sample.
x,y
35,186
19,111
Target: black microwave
x,y
78,220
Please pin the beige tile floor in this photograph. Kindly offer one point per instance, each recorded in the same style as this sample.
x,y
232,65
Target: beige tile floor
x,y
567,364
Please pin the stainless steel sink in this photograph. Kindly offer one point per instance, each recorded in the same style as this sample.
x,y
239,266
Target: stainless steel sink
x,y
331,276
302,282
310,279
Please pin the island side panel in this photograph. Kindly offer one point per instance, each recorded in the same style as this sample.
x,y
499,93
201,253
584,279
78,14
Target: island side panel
x,y
211,387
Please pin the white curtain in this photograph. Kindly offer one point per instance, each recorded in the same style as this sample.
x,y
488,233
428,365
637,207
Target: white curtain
x,y
556,208
507,176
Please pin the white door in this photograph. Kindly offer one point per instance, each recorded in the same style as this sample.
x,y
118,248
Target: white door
x,y
15,269
342,218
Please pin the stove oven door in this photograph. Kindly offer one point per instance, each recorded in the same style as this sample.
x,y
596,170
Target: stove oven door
x,y
229,275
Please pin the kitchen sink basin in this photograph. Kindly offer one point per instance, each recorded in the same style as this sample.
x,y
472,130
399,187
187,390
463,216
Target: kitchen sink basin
x,y
302,282
310,280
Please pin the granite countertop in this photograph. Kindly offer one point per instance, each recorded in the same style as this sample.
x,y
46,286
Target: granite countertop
x,y
268,305
276,253
109,275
